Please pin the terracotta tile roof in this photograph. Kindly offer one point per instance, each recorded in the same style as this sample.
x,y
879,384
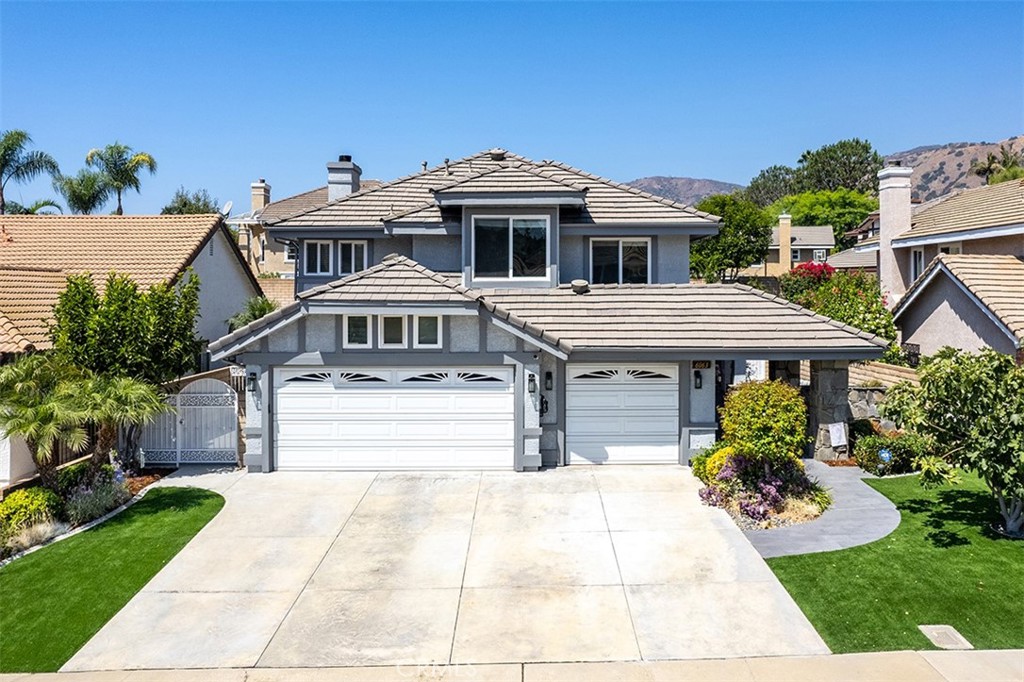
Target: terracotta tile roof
x,y
996,281
27,297
606,201
280,290
807,237
851,259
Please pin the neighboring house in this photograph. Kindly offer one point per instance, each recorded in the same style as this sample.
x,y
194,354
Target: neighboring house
x,y
496,312
852,259
806,243
951,298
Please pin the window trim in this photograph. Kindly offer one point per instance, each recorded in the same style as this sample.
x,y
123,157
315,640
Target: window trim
x,y
288,256
824,255
510,218
344,332
949,246
349,243
619,241
330,257
915,269
380,332
794,255
416,332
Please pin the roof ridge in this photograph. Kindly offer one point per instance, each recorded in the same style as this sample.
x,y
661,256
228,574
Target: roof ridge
x,y
525,166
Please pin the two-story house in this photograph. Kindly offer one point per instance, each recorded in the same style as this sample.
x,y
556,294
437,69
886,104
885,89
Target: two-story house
x,y
806,244
496,312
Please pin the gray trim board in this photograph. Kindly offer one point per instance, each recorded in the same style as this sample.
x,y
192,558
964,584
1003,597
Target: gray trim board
x,y
635,229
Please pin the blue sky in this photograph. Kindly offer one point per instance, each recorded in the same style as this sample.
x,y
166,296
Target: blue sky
x,y
222,93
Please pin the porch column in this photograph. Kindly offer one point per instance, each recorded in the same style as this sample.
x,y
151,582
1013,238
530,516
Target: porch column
x,y
828,403
532,429
785,370
253,431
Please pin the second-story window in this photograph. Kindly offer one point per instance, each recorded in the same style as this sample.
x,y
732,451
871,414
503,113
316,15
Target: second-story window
x,y
794,255
318,258
820,255
291,251
353,257
510,247
620,261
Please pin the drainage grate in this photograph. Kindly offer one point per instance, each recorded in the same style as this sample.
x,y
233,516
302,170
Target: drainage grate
x,y
945,637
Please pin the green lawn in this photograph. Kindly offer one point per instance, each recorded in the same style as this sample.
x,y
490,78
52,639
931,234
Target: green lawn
x,y
54,600
940,566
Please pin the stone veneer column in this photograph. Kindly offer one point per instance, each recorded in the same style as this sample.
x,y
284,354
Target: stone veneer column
x,y
828,403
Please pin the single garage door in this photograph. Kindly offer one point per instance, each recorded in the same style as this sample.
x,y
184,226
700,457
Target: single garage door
x,y
369,418
622,414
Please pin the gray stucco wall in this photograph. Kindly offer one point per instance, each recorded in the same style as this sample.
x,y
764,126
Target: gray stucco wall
x,y
440,253
224,286
943,315
573,263
673,259
1006,246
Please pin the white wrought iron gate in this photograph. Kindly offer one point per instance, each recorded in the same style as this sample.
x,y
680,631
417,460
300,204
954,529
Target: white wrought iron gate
x,y
203,428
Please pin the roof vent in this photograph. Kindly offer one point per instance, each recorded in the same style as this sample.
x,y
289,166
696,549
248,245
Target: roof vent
x,y
497,154
580,286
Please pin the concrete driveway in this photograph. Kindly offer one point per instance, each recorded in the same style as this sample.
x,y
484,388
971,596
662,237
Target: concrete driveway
x,y
339,569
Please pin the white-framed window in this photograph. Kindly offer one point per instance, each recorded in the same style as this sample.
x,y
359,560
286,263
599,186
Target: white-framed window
x,y
263,250
318,257
620,261
820,255
355,331
291,252
511,247
794,255
426,331
955,248
392,331
916,263
351,257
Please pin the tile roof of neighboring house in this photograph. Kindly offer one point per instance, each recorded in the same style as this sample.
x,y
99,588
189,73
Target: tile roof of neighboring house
x,y
305,201
278,289
852,259
516,177
671,317
606,201
997,282
808,236
27,297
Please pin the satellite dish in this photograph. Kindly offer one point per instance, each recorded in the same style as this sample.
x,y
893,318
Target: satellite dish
x,y
227,208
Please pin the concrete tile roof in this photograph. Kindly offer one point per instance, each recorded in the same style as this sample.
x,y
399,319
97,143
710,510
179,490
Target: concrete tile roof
x,y
27,297
516,177
996,281
969,209
807,237
304,201
852,259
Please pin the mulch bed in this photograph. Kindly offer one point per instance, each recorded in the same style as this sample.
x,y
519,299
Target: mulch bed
x,y
145,478
848,462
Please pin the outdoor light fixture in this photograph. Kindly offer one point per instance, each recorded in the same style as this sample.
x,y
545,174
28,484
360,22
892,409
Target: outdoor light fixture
x,y
251,381
698,380
548,381
531,383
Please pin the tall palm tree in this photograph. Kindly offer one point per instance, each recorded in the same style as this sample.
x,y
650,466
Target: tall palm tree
x,y
35,208
84,193
20,164
986,167
1010,158
121,166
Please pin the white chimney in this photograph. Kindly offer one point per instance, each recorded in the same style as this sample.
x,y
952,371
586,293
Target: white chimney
x,y
260,195
894,216
785,242
342,178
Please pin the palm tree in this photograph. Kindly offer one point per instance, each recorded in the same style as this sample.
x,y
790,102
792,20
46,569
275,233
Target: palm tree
x,y
986,167
84,193
255,308
18,163
1008,158
121,166
35,208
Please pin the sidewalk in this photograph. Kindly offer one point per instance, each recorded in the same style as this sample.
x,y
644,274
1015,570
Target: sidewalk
x,y
896,666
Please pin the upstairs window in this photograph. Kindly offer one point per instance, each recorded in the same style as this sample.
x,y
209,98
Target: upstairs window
x,y
353,257
291,252
820,255
510,248
794,255
620,261
318,258
951,248
916,263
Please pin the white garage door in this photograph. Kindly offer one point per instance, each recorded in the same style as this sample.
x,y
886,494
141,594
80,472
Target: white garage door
x,y
622,414
368,418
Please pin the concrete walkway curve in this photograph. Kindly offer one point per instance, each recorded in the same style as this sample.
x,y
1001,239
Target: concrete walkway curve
x,y
859,515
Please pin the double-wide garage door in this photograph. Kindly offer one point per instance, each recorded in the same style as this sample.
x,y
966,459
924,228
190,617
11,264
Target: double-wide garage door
x,y
622,414
383,418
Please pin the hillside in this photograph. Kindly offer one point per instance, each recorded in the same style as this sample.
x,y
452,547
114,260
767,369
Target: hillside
x,y
686,190
939,169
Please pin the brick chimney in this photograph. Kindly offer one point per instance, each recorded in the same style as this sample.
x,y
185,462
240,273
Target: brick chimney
x,y
785,242
260,195
342,178
894,216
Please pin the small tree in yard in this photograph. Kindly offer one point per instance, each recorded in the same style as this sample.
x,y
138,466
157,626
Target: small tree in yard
x,y
743,239
766,421
973,407
255,308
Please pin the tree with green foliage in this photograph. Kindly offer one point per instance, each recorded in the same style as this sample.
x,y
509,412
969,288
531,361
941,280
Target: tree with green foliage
x,y
85,192
843,209
121,166
770,185
189,203
848,164
255,308
40,207
1006,175
19,163
743,238
972,406
128,332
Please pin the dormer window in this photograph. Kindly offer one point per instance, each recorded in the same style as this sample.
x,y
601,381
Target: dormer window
x,y
509,247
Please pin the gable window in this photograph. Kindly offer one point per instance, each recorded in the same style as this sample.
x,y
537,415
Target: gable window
x,y
820,255
353,257
291,252
620,261
318,258
392,331
507,247
916,263
356,331
427,331
794,255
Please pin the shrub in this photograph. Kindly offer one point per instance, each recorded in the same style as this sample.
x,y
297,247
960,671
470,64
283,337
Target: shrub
x,y
886,455
87,502
765,421
70,477
36,534
805,277
699,463
717,461
26,507
759,494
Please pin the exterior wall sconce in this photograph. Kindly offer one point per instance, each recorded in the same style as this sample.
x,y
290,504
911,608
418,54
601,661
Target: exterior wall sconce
x,y
549,382
531,383
251,381
698,379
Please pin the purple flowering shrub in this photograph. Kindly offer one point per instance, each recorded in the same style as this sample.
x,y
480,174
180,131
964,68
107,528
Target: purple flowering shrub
x,y
759,490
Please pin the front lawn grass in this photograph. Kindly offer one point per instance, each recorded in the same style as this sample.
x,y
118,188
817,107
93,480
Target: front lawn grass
x,y
55,599
942,565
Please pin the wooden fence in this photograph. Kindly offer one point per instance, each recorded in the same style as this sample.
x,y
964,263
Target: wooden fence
x,y
880,374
